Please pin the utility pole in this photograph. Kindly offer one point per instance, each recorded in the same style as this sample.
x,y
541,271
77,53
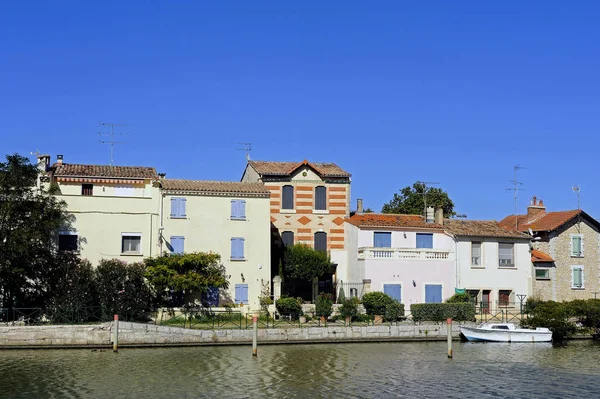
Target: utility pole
x,y
515,188
111,138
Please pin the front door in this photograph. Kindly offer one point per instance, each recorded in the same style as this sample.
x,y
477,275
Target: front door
x,y
393,290
485,301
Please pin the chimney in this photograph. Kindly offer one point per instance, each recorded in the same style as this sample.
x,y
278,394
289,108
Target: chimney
x,y
535,210
439,216
359,205
429,215
59,159
43,162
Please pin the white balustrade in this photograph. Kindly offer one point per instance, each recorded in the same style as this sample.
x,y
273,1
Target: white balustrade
x,y
403,253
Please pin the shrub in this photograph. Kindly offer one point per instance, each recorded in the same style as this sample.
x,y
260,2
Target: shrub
x,y
394,311
553,315
291,307
349,308
375,303
341,296
264,302
122,289
305,263
441,311
324,305
459,298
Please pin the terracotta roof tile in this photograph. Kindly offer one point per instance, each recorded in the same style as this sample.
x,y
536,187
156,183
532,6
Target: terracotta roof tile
x,y
539,256
129,172
391,220
215,187
547,222
287,168
480,228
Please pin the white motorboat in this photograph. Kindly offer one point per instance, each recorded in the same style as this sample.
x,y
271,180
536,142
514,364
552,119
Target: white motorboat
x,y
505,332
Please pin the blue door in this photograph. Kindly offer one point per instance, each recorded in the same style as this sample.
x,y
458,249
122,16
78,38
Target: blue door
x,y
241,293
211,296
433,294
393,290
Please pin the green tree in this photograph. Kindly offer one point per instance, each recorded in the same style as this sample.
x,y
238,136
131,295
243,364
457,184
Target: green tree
x,y
193,273
30,219
304,263
411,200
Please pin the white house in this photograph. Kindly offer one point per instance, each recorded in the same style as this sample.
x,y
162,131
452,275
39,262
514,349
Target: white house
x,y
229,218
405,256
493,264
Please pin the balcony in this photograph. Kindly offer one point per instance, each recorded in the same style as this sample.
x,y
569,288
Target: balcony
x,y
403,253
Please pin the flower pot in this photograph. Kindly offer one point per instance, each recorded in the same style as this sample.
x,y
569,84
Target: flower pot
x,y
302,319
323,319
378,319
348,319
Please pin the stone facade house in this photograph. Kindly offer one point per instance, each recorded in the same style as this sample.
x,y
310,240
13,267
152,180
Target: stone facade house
x,y
309,202
565,251
492,263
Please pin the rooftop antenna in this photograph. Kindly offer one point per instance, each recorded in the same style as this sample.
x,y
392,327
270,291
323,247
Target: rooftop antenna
x,y
245,147
111,138
425,183
576,190
515,188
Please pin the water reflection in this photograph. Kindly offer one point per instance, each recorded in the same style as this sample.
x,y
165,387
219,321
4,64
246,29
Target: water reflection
x,y
405,370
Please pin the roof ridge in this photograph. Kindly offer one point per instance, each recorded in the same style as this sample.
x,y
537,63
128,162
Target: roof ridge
x,y
103,166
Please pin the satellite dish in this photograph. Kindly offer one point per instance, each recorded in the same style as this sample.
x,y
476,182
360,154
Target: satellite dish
x,y
530,232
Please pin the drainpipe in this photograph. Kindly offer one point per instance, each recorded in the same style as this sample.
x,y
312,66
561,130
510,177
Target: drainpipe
x,y
162,227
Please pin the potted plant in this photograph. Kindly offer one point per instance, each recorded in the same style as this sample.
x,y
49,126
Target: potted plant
x,y
349,309
324,306
375,304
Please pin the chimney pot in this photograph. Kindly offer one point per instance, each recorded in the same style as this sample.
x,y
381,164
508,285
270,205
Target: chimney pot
x,y
439,216
59,159
359,205
535,210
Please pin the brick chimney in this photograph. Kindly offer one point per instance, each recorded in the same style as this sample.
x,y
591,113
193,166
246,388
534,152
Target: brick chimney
x,y
535,210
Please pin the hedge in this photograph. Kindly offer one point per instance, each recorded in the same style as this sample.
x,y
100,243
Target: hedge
x,y
441,311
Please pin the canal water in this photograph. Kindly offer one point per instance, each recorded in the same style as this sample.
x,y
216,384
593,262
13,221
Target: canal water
x,y
377,370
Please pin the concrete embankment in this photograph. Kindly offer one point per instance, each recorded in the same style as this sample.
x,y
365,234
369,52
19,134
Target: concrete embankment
x,y
143,335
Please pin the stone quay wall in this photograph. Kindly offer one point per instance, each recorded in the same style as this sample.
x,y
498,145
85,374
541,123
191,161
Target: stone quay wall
x,y
140,335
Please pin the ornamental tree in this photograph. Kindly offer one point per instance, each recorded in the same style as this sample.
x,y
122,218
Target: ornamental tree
x,y
194,272
411,200
304,263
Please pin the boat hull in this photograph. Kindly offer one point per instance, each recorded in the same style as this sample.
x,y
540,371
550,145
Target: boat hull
x,y
480,335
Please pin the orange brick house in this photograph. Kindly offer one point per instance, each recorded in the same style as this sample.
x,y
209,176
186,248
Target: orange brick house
x,y
309,202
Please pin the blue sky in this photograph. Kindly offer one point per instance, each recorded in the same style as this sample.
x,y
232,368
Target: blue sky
x,y
394,92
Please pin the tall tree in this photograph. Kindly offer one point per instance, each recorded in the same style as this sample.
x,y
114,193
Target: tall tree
x,y
29,223
304,263
411,200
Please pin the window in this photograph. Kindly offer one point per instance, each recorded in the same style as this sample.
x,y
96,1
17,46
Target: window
x,y
353,292
476,254
238,209
237,249
87,189
393,290
542,274
577,277
576,245
382,239
178,207
320,198
321,241
177,245
505,254
124,191
67,241
504,297
433,294
287,202
424,240
500,327
131,243
288,238
241,293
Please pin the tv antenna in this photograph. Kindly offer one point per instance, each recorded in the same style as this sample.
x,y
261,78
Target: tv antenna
x,y
515,188
577,190
247,147
425,183
111,138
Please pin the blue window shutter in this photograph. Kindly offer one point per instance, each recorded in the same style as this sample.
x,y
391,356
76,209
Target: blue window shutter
x,y
393,290
234,248
211,296
287,200
320,198
241,247
382,240
234,209
177,245
244,293
242,209
424,240
174,203
238,293
182,203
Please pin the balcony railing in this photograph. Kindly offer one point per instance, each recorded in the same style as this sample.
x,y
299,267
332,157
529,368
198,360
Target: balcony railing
x,y
403,253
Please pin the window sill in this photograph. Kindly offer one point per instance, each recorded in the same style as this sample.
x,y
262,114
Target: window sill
x,y
321,211
237,260
478,267
132,254
576,256
178,217
578,288
506,267
543,279
238,219
287,211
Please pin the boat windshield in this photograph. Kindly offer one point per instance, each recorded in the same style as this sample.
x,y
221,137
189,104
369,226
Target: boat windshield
x,y
500,327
